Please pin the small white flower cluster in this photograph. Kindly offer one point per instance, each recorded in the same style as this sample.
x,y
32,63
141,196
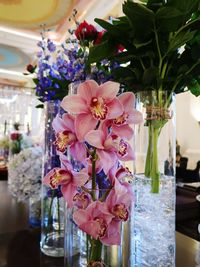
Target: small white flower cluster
x,y
25,172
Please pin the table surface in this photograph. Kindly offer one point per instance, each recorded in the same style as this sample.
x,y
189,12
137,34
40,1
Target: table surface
x,y
19,245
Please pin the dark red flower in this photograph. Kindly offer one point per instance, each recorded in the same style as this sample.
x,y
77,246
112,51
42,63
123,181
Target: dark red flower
x,y
120,48
86,32
99,36
30,68
15,136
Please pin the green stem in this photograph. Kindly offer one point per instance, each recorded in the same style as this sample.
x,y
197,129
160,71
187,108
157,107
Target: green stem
x,y
142,64
151,164
149,152
154,172
96,245
96,248
158,47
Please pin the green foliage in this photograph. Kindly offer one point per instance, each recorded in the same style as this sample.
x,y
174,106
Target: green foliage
x,y
162,45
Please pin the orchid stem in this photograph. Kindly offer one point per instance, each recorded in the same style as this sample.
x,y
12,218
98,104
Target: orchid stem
x,y
96,249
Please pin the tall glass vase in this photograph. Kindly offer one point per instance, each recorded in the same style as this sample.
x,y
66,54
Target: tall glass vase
x,y
154,209
52,205
86,229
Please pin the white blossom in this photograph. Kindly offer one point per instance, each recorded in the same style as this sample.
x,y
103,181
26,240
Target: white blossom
x,y
25,173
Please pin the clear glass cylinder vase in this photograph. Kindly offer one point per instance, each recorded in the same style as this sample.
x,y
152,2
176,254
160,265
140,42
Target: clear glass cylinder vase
x,y
52,202
154,209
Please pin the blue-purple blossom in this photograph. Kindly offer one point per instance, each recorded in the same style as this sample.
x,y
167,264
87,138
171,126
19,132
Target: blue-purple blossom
x,y
51,46
102,180
67,65
39,54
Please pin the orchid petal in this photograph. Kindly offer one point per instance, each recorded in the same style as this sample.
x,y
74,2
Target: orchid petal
x,y
107,159
108,90
75,104
113,235
65,123
81,216
123,131
78,151
88,89
58,124
130,155
80,178
65,162
69,121
127,100
83,124
68,191
46,179
115,109
91,228
135,117
95,138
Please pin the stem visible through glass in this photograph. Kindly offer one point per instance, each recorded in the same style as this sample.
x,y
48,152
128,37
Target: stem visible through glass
x,y
156,117
96,245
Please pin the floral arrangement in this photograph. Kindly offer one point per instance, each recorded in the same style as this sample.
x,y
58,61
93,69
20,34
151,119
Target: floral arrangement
x,y
57,67
15,142
161,54
25,171
96,131
16,138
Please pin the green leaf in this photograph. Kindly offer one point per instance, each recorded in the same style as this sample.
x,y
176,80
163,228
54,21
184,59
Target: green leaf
x,y
194,87
36,81
150,76
141,44
140,18
195,51
101,51
180,39
40,106
115,29
168,19
126,74
187,7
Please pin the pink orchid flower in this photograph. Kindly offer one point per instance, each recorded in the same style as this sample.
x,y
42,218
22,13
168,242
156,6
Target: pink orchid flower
x,y
69,181
123,175
65,136
96,221
119,201
82,200
109,148
120,125
93,103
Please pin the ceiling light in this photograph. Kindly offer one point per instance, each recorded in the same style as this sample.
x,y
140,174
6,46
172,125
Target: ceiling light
x,y
26,35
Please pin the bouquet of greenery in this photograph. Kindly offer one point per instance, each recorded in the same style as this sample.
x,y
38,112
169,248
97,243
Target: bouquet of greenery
x,y
161,41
